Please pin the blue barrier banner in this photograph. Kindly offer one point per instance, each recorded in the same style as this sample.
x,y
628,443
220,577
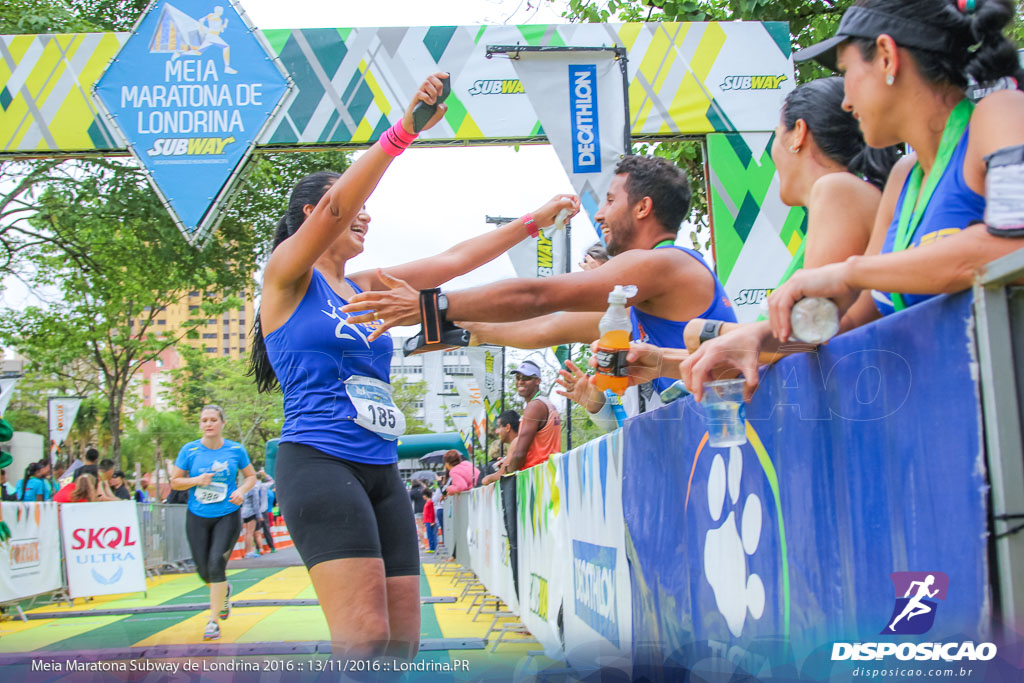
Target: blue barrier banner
x,y
861,490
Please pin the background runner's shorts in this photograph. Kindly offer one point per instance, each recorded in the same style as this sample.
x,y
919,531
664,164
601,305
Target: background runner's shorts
x,y
336,509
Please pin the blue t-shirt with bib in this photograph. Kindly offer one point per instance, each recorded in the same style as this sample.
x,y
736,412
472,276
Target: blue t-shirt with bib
x,y
953,207
668,334
313,354
225,462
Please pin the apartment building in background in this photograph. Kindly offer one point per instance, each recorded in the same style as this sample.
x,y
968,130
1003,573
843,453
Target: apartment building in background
x,y
439,371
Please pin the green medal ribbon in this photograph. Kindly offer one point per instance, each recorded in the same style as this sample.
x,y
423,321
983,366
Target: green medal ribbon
x,y
664,243
915,201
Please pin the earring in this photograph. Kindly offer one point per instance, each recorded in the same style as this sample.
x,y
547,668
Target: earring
x,y
889,79
794,149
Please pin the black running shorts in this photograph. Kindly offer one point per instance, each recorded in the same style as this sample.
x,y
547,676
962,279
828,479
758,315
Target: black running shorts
x,y
336,509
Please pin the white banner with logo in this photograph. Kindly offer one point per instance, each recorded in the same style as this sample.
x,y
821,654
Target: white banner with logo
x,y
61,414
102,548
472,398
598,603
541,257
543,556
30,559
490,552
488,365
579,99
458,411
6,392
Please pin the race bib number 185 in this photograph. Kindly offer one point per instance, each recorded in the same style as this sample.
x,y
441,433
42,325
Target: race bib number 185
x,y
375,408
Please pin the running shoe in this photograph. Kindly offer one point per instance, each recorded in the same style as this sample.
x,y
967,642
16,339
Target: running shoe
x,y
225,610
212,631
250,556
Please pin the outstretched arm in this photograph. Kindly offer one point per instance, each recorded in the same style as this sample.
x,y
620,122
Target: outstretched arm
x,y
291,264
434,271
538,333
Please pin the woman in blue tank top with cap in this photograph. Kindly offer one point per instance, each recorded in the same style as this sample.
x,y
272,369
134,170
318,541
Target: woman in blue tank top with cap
x,y
905,65
337,476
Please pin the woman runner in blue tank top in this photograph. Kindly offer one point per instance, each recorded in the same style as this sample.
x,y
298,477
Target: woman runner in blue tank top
x,y
929,236
337,476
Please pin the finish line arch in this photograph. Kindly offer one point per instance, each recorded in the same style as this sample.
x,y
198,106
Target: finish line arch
x,y
721,82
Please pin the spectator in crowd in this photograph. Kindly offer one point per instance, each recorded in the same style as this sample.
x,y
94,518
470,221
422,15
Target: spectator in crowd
x,y
81,490
263,523
416,496
91,466
438,500
508,430
594,256
6,490
430,519
105,471
141,493
250,517
462,473
540,429
59,470
33,486
63,494
118,486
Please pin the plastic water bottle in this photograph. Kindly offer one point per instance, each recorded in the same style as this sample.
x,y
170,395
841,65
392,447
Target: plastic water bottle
x,y
612,369
814,320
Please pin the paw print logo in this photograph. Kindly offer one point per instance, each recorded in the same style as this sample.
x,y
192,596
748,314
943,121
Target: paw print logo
x,y
727,546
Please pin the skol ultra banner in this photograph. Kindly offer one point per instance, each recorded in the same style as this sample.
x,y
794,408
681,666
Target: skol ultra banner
x,y
102,548
30,558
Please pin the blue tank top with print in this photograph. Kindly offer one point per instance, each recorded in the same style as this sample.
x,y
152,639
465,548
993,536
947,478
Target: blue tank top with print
x,y
668,334
313,354
953,207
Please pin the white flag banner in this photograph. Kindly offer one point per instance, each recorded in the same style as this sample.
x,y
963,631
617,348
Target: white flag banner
x,y
30,560
472,398
102,548
458,410
62,412
488,365
6,392
579,99
541,257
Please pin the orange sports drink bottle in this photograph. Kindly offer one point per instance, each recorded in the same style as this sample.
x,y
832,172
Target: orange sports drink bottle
x,y
612,370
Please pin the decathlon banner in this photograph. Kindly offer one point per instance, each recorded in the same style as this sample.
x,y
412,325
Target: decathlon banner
x,y
61,414
102,548
811,534
6,392
598,602
30,559
488,365
544,568
580,100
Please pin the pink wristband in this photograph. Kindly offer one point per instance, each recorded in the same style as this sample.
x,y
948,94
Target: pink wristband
x,y
531,225
395,140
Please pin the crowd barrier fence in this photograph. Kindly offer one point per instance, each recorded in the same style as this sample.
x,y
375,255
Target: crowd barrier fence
x,y
648,550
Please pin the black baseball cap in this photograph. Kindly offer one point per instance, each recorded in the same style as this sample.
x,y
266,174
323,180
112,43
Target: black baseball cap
x,y
864,22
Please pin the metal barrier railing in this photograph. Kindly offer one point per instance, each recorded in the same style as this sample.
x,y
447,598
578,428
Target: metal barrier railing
x,y
999,311
164,541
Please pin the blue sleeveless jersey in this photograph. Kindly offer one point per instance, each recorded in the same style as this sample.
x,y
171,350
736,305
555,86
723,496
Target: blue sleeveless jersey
x,y
669,333
953,207
313,354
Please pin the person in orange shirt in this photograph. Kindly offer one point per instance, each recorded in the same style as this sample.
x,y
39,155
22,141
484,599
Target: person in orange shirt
x,y
540,429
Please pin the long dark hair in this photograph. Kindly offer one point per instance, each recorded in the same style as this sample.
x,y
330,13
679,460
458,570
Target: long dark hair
x,y
820,104
309,190
30,472
994,57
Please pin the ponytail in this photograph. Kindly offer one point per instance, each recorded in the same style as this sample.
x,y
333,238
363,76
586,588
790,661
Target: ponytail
x,y
837,134
995,57
308,191
30,472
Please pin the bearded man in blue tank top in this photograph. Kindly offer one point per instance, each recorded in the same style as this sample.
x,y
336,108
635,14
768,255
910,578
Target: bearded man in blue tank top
x,y
647,201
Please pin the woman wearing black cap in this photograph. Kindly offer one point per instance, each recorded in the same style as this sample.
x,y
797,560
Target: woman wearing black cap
x,y
906,65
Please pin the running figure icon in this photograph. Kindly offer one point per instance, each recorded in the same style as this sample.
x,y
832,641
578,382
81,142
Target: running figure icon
x,y
914,606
